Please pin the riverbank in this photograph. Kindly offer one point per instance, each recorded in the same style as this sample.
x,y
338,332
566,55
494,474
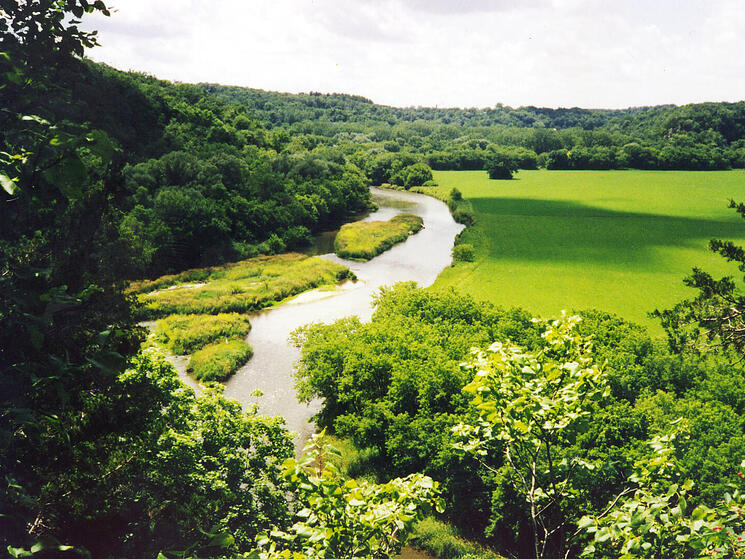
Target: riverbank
x,y
421,258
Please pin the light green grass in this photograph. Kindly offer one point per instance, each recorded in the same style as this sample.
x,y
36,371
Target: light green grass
x,y
239,287
217,361
442,541
619,241
363,240
186,333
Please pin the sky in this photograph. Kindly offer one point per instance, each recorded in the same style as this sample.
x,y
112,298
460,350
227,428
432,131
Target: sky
x,y
445,53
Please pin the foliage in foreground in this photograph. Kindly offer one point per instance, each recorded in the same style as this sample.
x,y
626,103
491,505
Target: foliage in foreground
x,y
153,466
241,287
219,360
533,404
185,334
394,386
342,518
364,240
653,517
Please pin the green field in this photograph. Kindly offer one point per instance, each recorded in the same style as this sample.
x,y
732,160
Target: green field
x,y
620,241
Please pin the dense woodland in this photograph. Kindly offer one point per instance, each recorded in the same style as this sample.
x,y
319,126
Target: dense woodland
x,y
695,137
631,446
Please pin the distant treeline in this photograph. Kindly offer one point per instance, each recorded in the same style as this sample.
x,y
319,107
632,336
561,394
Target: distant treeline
x,y
704,136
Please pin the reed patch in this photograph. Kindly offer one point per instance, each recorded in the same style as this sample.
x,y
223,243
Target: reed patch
x,y
364,240
240,287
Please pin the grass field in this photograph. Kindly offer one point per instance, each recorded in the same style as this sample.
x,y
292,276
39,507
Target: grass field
x,y
364,240
620,241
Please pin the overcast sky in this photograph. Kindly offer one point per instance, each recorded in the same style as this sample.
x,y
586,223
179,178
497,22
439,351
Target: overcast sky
x,y
466,53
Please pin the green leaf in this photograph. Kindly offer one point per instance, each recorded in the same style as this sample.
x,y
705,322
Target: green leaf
x,y
224,539
9,185
69,175
101,145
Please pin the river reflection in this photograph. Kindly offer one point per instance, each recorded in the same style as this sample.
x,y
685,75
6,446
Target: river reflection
x,y
421,258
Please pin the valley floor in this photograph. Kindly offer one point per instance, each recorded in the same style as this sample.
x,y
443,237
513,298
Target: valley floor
x,y
620,241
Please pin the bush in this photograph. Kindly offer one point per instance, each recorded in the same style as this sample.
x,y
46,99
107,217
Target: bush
x,y
463,253
217,361
499,170
417,175
464,217
456,195
183,334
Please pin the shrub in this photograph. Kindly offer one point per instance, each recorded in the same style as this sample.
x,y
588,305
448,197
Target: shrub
x,y
499,170
217,361
464,217
463,253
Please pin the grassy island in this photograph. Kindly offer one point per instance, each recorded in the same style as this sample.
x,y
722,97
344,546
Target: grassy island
x,y
242,287
200,309
364,240
217,361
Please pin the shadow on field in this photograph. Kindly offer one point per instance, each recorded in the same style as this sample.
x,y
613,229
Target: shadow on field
x,y
560,230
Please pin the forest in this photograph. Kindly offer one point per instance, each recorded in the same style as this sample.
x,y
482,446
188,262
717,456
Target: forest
x,y
580,436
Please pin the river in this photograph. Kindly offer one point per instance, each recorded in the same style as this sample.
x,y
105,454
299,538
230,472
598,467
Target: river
x,y
420,258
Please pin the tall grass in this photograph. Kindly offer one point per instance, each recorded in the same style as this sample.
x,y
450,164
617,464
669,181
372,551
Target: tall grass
x,y
364,240
183,334
442,541
242,287
219,360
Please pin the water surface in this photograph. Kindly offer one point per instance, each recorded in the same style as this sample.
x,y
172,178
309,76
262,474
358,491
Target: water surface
x,y
420,258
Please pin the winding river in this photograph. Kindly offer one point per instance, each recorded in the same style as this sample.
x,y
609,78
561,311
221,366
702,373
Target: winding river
x,y
420,258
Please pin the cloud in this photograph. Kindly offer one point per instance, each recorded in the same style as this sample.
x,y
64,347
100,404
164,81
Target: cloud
x,y
462,7
587,53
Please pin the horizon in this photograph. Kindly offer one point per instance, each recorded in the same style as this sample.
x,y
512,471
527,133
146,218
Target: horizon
x,y
441,53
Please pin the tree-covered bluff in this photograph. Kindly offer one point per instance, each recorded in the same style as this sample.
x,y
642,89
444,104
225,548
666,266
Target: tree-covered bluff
x,y
702,136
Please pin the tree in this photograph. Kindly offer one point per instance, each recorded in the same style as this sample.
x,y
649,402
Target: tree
x,y
344,518
531,405
417,175
500,164
653,516
717,315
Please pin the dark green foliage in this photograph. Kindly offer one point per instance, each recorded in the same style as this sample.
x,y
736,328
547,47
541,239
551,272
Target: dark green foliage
x,y
393,386
693,137
463,253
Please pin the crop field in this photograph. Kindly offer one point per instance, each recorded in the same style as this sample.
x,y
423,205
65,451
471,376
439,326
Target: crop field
x,y
619,241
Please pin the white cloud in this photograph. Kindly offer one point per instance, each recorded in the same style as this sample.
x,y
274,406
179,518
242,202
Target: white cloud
x,y
590,53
